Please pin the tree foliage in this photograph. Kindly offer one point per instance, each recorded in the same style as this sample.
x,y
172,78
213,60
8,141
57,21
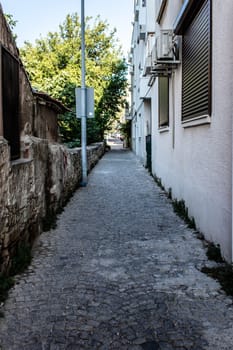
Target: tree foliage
x,y
125,130
54,66
12,23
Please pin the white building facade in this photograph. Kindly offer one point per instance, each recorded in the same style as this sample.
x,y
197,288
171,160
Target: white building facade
x,y
181,80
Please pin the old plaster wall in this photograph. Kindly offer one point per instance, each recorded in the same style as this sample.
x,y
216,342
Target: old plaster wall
x,y
37,111
196,161
45,125
6,37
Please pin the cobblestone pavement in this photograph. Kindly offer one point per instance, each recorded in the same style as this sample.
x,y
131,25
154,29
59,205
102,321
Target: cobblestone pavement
x,y
120,271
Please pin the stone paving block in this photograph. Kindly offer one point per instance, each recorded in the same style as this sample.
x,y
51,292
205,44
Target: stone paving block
x,y
120,272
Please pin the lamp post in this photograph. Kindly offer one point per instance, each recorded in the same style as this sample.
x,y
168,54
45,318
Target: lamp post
x,y
83,101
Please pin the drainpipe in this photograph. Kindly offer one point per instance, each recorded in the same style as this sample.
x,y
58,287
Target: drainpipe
x,y
1,104
83,102
173,110
232,189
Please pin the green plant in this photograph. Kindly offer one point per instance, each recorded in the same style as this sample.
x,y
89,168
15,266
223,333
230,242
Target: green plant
x,y
21,259
6,282
74,143
53,64
169,195
49,222
20,262
11,22
182,211
214,252
191,223
125,130
159,182
224,274
178,206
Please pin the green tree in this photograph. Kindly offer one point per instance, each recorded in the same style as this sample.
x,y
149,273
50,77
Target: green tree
x,y
54,66
112,100
125,130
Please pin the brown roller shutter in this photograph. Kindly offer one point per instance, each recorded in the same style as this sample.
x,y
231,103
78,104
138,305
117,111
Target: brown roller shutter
x,y
196,76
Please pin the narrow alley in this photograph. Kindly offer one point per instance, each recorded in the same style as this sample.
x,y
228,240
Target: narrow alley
x,y
120,271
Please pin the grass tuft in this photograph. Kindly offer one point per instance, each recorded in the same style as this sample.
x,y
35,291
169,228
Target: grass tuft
x,y
223,274
214,252
20,262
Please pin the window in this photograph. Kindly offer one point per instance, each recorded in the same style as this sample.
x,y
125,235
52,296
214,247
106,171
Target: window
x,y
143,3
163,82
10,101
196,74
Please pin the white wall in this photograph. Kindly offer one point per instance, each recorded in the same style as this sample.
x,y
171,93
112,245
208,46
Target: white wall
x,y
199,166
139,87
150,11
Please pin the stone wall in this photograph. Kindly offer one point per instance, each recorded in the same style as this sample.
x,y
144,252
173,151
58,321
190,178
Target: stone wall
x,y
33,189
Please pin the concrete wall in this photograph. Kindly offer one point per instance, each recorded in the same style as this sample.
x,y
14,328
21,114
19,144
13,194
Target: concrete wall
x,y
196,162
32,190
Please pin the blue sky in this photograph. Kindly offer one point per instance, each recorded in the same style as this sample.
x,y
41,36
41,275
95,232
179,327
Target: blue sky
x,y
38,17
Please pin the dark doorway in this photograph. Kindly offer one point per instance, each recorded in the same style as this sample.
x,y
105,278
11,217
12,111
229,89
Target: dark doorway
x,y
10,100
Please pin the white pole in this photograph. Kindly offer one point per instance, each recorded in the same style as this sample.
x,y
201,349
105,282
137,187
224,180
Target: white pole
x,y
83,102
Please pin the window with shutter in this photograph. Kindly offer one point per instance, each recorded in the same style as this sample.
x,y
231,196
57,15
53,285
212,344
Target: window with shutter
x,y
196,68
163,82
10,101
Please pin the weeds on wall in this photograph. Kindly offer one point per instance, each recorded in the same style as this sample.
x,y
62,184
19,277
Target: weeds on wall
x,y
6,283
49,222
179,206
223,272
21,260
214,252
182,211
159,182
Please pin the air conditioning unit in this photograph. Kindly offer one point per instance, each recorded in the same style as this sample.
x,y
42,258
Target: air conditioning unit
x,y
165,53
147,66
164,45
153,54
